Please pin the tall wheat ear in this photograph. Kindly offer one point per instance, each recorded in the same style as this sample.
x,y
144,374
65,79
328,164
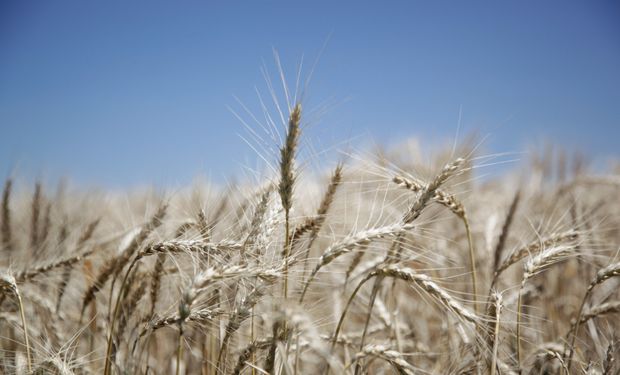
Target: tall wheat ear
x,y
287,182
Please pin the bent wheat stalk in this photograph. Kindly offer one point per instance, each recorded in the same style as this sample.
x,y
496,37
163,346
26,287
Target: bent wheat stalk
x,y
450,202
349,243
421,280
613,270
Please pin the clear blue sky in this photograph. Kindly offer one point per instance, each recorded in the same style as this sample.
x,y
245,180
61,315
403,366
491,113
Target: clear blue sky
x,y
125,93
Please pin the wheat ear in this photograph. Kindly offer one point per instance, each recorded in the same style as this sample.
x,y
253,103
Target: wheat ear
x,y
30,274
287,181
503,236
349,243
534,265
314,224
533,247
455,206
255,225
421,280
428,192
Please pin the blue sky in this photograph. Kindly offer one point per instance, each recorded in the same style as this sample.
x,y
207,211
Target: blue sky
x,y
126,93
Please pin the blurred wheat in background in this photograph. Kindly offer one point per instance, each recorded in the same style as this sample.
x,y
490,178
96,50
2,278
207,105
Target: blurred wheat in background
x,y
383,264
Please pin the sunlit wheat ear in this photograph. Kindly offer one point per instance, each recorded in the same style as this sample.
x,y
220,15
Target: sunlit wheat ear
x,y
32,273
351,242
8,285
428,192
199,316
190,246
606,273
441,197
421,280
534,247
256,225
287,180
546,258
5,231
315,223
300,230
393,357
534,265
427,284
450,202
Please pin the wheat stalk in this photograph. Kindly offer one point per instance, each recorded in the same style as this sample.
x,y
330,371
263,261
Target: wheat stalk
x,y
534,247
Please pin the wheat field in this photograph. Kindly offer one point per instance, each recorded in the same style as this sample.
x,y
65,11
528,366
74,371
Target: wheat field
x,y
391,261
